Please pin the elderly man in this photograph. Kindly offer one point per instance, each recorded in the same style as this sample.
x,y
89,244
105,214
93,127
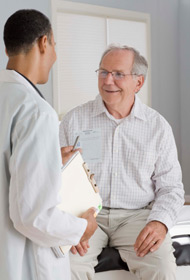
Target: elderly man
x,y
139,175
30,159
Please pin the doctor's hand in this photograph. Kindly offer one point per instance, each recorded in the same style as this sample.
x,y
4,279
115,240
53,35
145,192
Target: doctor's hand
x,y
83,245
89,215
150,238
67,152
81,248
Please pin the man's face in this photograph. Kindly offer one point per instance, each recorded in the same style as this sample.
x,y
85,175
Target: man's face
x,y
118,92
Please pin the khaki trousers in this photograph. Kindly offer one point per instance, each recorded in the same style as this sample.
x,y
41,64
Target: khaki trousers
x,y
119,228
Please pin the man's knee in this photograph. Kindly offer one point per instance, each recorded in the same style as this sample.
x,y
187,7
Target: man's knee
x,y
82,265
162,268
81,269
77,260
166,267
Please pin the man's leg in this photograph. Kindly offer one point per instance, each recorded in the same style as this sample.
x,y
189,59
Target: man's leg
x,y
82,268
159,265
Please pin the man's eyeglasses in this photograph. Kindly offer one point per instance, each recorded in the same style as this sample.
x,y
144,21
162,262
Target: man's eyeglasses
x,y
117,75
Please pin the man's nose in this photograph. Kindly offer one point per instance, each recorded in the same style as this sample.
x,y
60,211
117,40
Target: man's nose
x,y
109,79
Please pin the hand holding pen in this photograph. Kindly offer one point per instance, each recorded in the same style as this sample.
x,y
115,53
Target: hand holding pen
x,y
75,143
67,152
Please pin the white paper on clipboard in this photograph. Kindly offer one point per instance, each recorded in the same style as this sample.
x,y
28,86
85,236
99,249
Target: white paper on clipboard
x,y
78,193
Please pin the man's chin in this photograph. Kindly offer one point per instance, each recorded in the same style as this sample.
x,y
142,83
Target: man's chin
x,y
110,100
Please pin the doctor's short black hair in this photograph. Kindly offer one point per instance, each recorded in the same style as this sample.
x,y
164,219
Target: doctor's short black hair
x,y
23,29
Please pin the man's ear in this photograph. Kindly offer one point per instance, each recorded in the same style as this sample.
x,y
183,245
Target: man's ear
x,y
140,83
42,43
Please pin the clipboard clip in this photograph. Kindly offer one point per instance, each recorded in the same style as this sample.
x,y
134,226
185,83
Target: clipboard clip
x,y
90,177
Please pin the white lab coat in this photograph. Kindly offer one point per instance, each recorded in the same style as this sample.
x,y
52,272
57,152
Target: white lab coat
x,y
30,178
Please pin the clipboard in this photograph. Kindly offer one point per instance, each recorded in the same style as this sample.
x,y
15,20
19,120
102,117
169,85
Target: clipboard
x,y
78,193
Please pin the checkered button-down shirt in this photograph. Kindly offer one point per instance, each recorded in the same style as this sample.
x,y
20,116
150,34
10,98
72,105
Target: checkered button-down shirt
x,y
139,158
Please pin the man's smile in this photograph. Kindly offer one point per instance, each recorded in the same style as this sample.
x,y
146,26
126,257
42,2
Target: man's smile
x,y
111,91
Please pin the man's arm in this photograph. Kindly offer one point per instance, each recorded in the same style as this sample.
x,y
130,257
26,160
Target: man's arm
x,y
169,197
167,179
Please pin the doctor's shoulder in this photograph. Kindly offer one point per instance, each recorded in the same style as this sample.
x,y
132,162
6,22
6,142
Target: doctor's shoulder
x,y
25,102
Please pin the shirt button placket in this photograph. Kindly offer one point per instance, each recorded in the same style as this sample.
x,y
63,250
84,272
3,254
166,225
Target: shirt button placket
x,y
114,166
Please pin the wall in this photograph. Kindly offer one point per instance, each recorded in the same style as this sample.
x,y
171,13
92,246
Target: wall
x,y
170,44
185,90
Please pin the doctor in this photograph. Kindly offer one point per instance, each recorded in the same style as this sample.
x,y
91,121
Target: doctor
x,y
30,159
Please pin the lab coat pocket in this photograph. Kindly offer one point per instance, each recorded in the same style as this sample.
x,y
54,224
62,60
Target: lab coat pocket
x,y
48,267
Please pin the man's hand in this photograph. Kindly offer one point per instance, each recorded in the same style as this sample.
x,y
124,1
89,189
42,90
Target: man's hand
x,y
67,152
83,246
150,238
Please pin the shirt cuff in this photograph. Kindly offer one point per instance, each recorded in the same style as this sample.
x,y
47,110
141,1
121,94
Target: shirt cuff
x,y
163,218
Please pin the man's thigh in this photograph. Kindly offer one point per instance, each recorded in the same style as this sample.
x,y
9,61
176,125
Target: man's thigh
x,y
129,227
157,265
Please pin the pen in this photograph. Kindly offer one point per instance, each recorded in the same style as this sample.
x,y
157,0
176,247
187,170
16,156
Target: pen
x,y
76,141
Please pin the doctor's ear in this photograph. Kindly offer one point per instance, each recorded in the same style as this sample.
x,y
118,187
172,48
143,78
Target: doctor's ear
x,y
42,43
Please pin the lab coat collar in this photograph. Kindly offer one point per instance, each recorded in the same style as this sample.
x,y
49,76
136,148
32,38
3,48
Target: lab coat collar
x,y
11,76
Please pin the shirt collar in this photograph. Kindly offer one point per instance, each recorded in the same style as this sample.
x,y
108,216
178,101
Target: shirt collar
x,y
138,109
136,112
99,107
